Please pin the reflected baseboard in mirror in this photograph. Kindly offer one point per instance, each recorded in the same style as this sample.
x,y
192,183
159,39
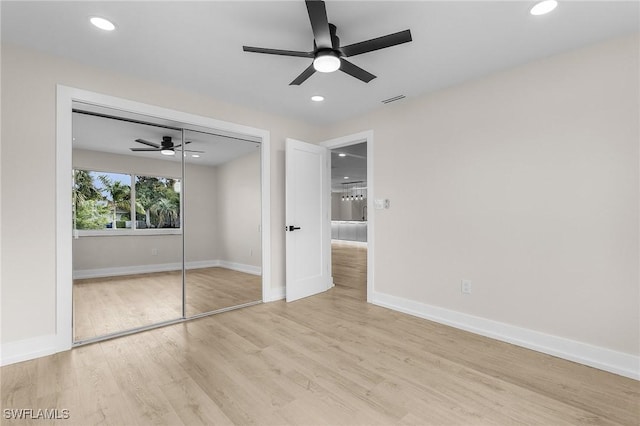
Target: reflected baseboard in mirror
x,y
112,304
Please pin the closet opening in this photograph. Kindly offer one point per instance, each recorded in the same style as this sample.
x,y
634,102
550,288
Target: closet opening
x,y
167,219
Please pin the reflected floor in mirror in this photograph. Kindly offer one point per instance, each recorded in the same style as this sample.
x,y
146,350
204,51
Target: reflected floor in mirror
x,y
115,304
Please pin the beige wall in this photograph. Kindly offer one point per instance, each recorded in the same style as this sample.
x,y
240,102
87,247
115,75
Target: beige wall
x,y
524,182
29,82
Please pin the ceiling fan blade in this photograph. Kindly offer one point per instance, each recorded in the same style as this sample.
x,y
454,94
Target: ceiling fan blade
x,y
355,71
191,150
146,149
277,52
319,23
302,77
179,145
377,43
142,141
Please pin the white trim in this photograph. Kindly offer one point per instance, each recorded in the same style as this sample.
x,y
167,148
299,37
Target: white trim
x,y
265,220
64,251
24,350
64,280
366,136
277,293
594,356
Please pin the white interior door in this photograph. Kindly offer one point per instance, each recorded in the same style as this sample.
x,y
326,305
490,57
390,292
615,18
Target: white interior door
x,y
308,230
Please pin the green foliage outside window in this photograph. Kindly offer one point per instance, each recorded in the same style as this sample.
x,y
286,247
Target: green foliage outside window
x,y
103,201
157,202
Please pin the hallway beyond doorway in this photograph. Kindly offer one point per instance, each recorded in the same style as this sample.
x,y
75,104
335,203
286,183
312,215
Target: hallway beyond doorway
x,y
349,267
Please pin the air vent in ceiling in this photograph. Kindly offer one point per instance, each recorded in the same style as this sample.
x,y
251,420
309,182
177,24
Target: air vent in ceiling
x,y
395,98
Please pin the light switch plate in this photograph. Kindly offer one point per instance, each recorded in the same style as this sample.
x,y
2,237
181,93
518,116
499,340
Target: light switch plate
x,y
381,204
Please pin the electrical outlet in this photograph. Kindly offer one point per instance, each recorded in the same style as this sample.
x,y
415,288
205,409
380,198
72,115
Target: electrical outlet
x,y
465,287
154,252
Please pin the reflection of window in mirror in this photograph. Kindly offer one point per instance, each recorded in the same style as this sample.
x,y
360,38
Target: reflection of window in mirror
x,y
107,201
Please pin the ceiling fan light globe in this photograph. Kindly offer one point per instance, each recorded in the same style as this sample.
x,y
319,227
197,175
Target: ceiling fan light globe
x,y
326,62
167,152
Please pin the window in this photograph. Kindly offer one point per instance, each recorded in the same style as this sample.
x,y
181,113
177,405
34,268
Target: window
x,y
106,201
157,202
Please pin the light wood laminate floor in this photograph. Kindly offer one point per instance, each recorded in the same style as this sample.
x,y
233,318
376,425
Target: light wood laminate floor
x,y
113,304
330,359
349,267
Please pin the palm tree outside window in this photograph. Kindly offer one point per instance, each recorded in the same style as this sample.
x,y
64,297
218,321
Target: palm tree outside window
x,y
103,201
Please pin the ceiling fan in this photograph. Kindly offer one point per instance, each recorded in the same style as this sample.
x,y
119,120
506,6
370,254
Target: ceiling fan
x,y
327,54
166,147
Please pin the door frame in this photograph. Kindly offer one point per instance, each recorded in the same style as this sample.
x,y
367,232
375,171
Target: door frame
x,y
65,96
365,136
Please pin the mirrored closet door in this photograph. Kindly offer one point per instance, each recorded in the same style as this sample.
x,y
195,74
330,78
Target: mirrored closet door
x,y
166,222
223,258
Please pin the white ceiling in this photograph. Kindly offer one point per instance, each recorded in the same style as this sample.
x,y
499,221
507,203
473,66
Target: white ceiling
x,y
197,46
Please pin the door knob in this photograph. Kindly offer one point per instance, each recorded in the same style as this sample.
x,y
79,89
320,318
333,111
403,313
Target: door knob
x,y
291,228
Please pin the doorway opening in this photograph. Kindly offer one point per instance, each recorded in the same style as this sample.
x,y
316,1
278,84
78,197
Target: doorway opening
x,y
351,222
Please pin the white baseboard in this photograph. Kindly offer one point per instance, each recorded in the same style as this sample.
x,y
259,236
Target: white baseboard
x,y
594,356
240,267
164,267
24,350
281,292
275,294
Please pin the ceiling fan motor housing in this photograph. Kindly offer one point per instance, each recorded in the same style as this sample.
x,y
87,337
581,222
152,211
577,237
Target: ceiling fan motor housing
x,y
166,142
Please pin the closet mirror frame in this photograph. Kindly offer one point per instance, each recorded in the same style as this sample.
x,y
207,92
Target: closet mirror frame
x,y
66,98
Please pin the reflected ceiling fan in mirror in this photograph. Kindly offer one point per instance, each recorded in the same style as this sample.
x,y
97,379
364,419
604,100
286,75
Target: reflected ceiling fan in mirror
x,y
327,54
166,147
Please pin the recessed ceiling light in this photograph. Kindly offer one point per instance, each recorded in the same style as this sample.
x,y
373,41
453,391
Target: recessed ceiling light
x,y
317,98
346,177
195,155
342,154
102,23
543,7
